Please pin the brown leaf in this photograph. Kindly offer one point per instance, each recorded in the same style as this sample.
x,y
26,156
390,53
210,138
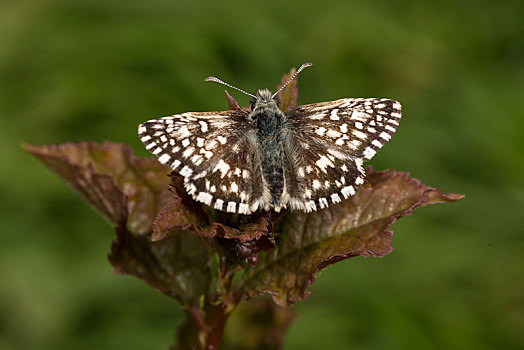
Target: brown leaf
x,y
357,226
288,96
244,229
111,179
231,102
242,237
186,213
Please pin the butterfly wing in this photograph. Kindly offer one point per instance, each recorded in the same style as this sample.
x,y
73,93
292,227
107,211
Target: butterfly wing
x,y
216,154
327,145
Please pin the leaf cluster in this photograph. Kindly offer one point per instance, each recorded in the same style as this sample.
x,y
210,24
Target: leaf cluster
x,y
210,260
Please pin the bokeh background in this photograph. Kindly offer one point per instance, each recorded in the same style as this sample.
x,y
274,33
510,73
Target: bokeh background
x,y
94,69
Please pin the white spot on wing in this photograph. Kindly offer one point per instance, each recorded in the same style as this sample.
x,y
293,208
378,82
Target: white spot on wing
x,y
222,166
385,136
175,164
393,121
231,207
205,198
164,158
334,115
358,163
310,206
183,132
243,208
323,162
186,171
333,133
335,198
360,134
348,191
376,143
369,152
187,152
207,154
358,115
390,128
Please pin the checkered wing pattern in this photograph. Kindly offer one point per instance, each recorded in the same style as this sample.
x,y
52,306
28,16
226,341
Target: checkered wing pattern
x,y
216,154
330,142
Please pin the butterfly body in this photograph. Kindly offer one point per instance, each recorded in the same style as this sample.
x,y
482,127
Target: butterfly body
x,y
306,158
270,125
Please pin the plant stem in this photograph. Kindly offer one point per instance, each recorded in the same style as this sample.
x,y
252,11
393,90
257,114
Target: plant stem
x,y
216,328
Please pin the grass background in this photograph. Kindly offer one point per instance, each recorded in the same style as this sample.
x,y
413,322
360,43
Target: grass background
x,y
93,70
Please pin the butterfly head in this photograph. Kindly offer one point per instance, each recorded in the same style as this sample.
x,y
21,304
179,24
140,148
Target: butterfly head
x,y
264,99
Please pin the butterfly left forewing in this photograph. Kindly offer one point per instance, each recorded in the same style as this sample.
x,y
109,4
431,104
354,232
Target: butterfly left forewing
x,y
214,152
191,142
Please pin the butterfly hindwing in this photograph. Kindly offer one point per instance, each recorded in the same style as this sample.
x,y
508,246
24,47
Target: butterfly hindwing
x,y
319,174
235,183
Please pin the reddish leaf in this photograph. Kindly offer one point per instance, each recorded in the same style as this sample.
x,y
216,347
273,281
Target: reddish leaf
x,y
129,191
98,189
231,102
185,213
288,96
246,229
358,226
111,179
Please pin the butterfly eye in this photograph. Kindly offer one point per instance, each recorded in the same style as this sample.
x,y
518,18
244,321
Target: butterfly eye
x,y
253,103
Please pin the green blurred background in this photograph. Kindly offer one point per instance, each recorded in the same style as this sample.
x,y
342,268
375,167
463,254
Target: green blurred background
x,y
93,70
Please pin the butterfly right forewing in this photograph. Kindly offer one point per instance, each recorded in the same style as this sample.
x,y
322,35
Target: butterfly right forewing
x,y
329,142
357,126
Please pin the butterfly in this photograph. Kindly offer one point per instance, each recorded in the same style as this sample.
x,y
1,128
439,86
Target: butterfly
x,y
303,159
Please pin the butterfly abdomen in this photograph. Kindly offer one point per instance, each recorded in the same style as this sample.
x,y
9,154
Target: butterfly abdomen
x,y
269,132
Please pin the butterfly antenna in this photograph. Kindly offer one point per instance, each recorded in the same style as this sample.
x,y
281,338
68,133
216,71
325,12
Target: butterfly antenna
x,y
305,65
226,84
